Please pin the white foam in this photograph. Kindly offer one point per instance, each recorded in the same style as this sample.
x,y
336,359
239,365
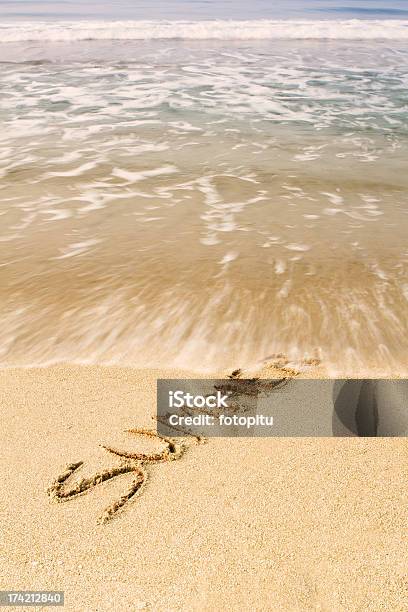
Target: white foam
x,y
297,247
352,29
75,171
78,248
135,177
228,257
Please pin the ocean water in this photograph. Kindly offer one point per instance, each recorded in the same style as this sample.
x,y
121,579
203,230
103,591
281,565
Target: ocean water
x,y
200,193
203,9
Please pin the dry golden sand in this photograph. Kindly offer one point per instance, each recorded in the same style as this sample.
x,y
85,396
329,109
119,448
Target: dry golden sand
x,y
254,524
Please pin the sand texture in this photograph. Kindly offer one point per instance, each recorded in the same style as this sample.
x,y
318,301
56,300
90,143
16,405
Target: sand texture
x,y
238,524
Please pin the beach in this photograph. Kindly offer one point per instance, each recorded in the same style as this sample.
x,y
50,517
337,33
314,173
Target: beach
x,y
261,523
203,193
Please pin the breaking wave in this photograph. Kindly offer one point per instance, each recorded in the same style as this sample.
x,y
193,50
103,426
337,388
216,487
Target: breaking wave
x,y
353,29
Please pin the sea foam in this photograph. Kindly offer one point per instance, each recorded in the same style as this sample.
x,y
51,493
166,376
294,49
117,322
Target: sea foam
x,y
353,29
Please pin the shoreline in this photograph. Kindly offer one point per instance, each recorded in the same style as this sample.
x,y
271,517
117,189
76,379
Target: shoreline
x,y
276,366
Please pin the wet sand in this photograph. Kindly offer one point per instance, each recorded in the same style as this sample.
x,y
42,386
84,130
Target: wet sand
x,y
288,524
187,205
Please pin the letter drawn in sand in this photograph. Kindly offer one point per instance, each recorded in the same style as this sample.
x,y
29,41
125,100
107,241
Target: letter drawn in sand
x,y
174,448
131,463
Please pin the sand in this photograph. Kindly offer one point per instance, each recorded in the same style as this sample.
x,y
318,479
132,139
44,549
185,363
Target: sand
x,y
238,524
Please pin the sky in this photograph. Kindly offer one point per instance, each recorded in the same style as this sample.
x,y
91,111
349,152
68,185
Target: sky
x,y
203,9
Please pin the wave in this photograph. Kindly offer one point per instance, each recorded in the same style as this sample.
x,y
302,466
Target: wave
x,y
67,31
